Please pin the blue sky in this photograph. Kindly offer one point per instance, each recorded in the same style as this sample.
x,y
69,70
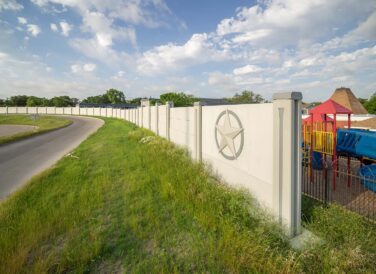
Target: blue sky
x,y
206,48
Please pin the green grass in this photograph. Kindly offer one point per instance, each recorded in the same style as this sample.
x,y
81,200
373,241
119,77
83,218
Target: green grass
x,y
43,124
140,205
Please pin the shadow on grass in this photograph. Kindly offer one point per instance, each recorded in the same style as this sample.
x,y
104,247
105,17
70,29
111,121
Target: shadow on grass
x,y
308,207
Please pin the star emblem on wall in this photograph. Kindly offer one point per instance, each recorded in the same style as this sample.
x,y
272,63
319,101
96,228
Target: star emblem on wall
x,y
228,134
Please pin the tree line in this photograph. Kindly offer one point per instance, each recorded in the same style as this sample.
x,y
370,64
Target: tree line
x,y
114,96
33,101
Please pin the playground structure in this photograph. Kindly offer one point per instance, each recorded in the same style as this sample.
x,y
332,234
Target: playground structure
x,y
335,154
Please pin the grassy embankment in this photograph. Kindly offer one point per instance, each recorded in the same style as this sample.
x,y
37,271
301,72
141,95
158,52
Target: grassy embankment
x,y
139,205
43,124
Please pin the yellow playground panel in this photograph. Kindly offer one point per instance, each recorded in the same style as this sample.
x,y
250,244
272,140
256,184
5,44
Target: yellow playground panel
x,y
322,141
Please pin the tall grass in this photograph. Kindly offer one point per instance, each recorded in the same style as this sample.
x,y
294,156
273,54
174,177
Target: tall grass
x,y
132,203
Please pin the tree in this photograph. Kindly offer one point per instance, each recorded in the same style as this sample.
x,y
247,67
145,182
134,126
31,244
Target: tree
x,y
246,97
136,101
115,96
99,99
34,101
179,99
2,103
18,100
62,101
370,105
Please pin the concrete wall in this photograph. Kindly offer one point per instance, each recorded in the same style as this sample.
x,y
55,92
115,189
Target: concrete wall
x,y
182,127
254,146
253,168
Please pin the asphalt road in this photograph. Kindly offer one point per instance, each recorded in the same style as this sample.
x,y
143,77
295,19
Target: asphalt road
x,y
21,160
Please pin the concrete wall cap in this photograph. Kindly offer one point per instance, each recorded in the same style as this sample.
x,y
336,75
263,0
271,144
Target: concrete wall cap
x,y
293,95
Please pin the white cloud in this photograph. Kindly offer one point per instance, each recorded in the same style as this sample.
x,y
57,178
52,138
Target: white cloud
x,y
3,55
54,27
104,30
34,30
32,77
246,70
77,68
22,20
278,23
250,36
92,49
199,49
89,67
10,5
151,13
65,28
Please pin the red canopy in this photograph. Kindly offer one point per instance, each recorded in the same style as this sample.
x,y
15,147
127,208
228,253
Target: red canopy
x,y
329,107
318,118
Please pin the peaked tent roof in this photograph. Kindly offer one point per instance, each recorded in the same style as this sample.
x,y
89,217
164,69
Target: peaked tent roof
x,y
346,98
329,107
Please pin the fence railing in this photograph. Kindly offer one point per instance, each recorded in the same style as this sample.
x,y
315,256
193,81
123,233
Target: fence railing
x,y
353,191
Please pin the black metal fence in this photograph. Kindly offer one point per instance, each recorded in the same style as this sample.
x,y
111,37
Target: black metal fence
x,y
343,185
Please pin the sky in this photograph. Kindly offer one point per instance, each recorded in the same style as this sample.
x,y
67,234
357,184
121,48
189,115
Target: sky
x,y
207,48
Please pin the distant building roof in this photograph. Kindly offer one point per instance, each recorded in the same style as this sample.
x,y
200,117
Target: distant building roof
x,y
90,105
346,98
214,101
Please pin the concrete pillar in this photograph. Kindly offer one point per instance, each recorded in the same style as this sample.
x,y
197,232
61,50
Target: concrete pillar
x,y
157,118
168,106
198,130
287,160
137,116
142,116
149,117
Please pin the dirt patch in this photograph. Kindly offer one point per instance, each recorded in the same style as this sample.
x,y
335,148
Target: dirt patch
x,y
370,123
